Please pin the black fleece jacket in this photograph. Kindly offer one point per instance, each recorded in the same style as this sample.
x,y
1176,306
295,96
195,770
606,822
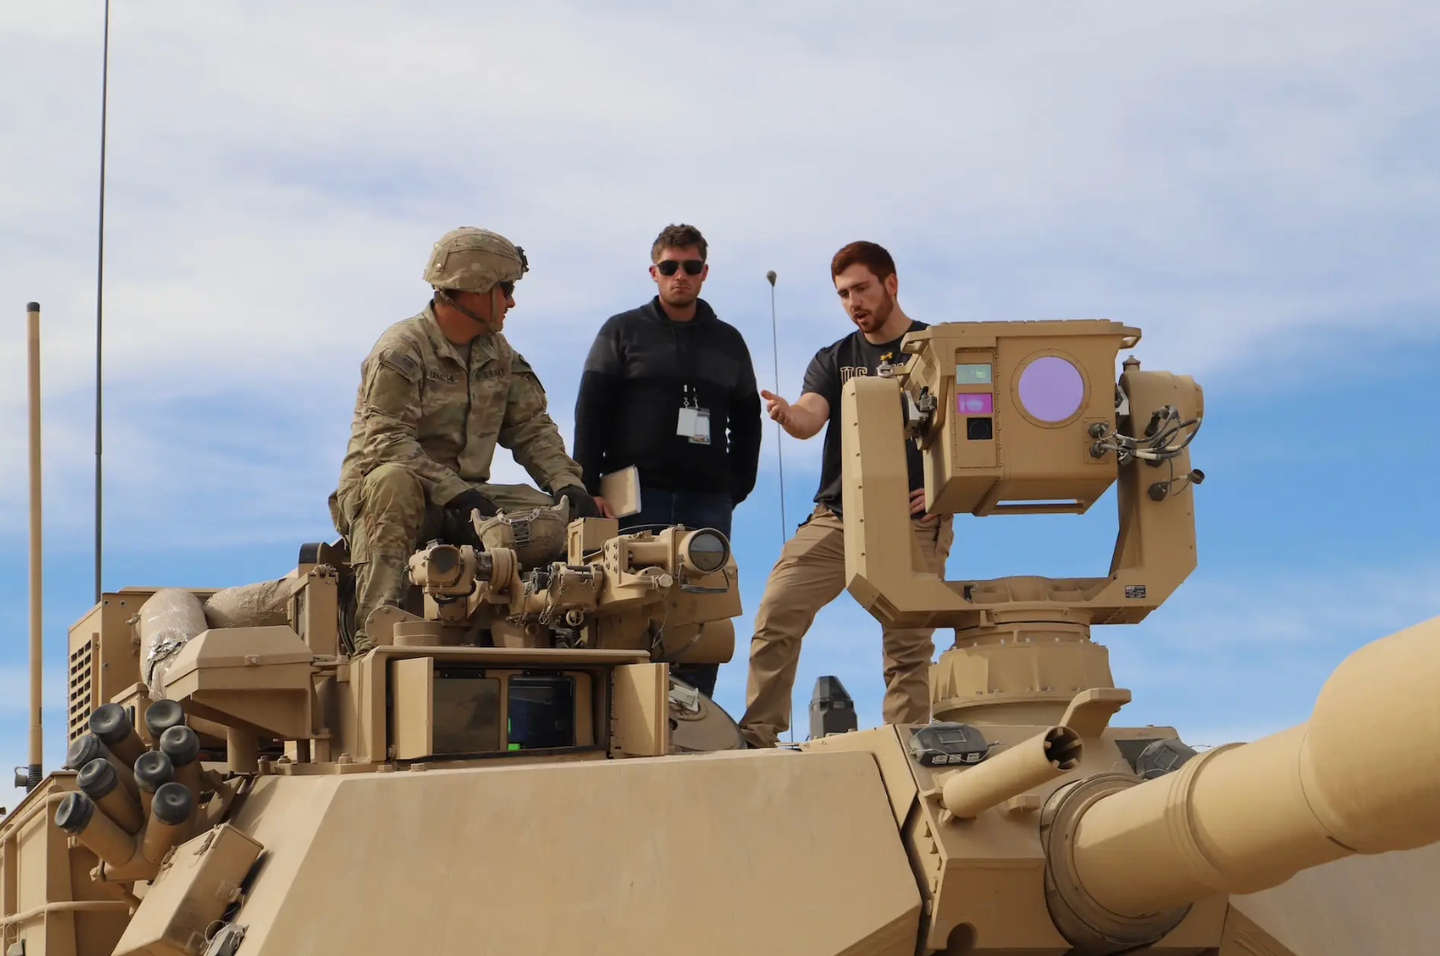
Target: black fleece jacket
x,y
633,386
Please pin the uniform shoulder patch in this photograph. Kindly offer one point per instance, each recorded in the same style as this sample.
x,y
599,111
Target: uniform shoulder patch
x,y
522,370
401,362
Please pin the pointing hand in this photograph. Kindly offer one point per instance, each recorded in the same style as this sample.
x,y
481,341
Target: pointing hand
x,y
777,407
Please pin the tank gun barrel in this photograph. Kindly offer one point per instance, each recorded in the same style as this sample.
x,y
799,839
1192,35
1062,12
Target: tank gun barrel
x,y
1360,776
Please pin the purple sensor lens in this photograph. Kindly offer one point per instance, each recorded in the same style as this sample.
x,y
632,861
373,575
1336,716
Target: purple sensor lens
x,y
1051,389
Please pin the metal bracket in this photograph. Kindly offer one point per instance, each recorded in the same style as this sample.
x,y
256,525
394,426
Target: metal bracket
x,y
1090,710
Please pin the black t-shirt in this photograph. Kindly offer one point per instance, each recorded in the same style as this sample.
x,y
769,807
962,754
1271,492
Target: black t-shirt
x,y
829,370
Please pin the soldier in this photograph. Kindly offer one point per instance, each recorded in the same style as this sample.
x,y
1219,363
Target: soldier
x,y
437,392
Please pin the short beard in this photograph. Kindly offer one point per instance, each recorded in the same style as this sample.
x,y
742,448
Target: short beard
x,y
881,315
681,303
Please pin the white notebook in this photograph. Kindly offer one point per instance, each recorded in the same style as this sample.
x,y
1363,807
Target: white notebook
x,y
621,491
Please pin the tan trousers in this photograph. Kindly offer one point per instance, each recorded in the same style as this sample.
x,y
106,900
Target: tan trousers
x,y
809,575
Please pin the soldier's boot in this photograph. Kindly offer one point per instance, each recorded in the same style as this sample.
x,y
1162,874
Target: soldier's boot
x,y
384,579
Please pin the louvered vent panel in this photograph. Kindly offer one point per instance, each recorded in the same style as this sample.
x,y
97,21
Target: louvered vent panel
x,y
82,688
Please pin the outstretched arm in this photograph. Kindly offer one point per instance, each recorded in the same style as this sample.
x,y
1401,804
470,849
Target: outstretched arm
x,y
802,419
811,410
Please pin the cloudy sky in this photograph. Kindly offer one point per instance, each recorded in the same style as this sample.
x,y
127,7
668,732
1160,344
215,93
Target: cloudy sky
x,y
1255,186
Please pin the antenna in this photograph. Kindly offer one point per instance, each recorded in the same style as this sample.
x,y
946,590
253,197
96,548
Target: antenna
x,y
100,288
31,779
779,432
780,456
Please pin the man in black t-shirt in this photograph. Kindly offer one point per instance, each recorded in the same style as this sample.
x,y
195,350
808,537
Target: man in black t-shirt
x,y
811,570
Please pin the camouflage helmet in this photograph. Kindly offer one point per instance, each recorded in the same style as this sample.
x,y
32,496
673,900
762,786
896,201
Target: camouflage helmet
x,y
536,535
474,260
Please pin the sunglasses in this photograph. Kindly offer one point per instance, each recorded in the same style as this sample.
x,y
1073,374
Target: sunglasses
x,y
507,287
668,267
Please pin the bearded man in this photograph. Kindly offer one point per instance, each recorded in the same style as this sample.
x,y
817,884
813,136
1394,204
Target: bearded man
x,y
810,572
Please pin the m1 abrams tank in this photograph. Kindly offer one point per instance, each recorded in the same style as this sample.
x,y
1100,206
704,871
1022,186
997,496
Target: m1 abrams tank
x,y
513,771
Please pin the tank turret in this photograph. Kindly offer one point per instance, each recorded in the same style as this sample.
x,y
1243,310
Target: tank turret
x,y
1035,824
512,769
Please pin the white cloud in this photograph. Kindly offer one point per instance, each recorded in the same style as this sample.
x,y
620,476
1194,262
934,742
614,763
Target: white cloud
x,y
276,174
1251,186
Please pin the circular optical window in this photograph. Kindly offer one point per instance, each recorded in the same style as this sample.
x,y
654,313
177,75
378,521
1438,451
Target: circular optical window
x,y
708,550
1051,389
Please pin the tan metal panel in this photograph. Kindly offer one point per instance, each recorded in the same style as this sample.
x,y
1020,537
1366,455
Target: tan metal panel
x,y
734,853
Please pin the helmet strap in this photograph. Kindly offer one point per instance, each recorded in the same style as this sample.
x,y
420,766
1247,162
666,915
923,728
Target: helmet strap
x,y
441,295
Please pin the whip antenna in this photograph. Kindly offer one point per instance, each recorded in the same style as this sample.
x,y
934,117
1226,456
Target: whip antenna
x,y
779,432
100,286
780,457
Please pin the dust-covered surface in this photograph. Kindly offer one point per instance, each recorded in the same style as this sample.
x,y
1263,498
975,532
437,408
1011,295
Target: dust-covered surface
x,y
1380,904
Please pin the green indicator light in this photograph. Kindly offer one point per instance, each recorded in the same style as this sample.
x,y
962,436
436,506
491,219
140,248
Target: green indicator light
x,y
972,374
513,747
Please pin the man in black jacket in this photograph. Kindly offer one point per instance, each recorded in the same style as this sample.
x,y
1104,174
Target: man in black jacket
x,y
670,388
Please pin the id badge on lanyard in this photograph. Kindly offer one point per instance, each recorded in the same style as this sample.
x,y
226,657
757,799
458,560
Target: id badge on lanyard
x,y
693,422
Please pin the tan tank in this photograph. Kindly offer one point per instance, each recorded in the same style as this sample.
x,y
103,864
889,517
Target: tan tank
x,y
513,770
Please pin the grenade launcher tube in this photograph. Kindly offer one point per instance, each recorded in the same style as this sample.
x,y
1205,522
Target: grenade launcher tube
x,y
1037,760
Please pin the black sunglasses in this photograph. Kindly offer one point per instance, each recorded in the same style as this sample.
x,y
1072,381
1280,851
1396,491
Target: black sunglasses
x,y
668,267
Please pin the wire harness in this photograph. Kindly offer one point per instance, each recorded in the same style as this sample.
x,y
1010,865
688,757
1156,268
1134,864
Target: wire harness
x,y
1154,448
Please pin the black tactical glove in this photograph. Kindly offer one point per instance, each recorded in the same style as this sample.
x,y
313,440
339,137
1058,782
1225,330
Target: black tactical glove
x,y
581,504
458,527
469,500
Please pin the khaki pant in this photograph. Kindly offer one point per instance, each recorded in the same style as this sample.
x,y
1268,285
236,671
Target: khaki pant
x,y
388,518
809,575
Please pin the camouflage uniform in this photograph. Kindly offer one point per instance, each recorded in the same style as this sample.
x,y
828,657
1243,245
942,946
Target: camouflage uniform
x,y
428,415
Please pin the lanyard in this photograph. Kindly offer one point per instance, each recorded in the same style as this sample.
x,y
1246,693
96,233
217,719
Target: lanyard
x,y
690,396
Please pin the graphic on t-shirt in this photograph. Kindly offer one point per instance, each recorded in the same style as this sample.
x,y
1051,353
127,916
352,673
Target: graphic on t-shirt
x,y
848,372
832,367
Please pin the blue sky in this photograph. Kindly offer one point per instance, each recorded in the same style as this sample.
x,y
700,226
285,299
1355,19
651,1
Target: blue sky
x,y
1255,188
